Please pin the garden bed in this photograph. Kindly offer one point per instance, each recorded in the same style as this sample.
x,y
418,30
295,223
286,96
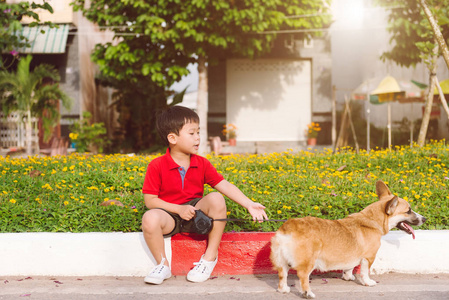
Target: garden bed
x,y
64,193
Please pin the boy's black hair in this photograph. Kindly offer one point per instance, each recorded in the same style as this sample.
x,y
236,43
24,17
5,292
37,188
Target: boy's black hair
x,y
173,119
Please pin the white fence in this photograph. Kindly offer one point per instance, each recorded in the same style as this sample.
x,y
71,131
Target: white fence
x,y
13,134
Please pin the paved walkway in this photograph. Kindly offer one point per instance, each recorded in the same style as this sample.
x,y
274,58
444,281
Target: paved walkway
x,y
391,286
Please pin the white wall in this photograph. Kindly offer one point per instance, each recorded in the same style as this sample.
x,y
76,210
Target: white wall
x,y
269,99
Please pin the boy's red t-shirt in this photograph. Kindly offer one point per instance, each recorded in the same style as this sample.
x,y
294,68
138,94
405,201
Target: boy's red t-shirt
x,y
164,180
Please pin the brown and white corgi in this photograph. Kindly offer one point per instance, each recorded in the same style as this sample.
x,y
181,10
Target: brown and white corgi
x,y
310,243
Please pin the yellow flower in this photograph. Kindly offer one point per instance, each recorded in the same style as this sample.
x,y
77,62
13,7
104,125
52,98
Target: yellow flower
x,y
316,208
73,136
230,131
66,202
312,130
12,201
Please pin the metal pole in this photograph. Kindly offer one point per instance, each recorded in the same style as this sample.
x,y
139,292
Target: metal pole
x,y
368,139
334,117
368,130
389,125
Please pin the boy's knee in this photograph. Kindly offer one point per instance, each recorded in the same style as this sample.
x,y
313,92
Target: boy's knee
x,y
216,202
150,220
217,198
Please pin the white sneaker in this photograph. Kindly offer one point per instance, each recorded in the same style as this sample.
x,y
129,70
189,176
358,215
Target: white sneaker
x,y
202,270
158,274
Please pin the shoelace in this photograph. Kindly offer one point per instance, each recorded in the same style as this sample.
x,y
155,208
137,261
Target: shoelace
x,y
159,267
200,264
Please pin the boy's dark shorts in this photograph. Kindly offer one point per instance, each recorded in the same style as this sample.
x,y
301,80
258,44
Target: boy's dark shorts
x,y
178,219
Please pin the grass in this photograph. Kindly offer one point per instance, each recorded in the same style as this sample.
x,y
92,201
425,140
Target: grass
x,y
63,194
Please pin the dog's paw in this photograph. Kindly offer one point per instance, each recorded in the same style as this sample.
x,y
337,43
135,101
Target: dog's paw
x,y
348,276
369,282
284,289
308,295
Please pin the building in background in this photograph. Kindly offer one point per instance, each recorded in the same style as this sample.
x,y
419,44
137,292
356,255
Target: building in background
x,y
68,47
359,37
271,99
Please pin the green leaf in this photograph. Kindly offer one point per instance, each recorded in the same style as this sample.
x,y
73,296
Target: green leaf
x,y
179,97
146,69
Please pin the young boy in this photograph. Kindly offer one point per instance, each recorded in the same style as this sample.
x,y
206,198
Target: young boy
x,y
173,190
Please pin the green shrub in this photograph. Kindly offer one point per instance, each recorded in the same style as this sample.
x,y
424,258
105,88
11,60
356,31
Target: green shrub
x,y
62,194
88,136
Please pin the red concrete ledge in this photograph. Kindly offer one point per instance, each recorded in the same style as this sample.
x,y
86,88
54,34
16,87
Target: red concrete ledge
x,y
239,253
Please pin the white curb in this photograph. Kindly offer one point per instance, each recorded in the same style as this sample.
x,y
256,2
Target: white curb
x,y
126,254
427,254
76,254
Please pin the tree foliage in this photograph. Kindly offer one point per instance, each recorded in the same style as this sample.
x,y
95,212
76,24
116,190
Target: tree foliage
x,y
10,17
412,37
415,40
155,40
33,94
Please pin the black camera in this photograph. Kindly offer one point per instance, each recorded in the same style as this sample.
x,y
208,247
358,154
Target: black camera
x,y
200,224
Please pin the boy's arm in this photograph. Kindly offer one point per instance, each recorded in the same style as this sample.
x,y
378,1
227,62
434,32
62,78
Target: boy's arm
x,y
256,209
186,212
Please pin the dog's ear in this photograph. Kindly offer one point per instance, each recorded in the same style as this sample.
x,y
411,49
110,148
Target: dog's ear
x,y
391,206
382,189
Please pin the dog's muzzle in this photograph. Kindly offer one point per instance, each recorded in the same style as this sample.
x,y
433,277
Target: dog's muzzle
x,y
406,225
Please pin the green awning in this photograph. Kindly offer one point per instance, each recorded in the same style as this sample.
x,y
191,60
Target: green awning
x,y
54,40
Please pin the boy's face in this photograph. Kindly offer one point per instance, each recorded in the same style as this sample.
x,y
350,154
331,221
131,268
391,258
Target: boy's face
x,y
188,139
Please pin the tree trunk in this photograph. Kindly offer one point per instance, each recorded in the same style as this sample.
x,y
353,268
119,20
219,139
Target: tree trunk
x,y
28,138
442,98
436,30
202,103
426,117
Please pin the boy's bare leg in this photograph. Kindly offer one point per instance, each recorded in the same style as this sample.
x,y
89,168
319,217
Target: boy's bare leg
x,y
156,223
214,206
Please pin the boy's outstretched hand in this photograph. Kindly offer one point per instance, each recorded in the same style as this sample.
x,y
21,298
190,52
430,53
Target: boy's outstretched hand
x,y
257,211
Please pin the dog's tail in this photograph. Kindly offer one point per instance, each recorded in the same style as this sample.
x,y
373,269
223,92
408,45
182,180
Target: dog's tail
x,y
277,256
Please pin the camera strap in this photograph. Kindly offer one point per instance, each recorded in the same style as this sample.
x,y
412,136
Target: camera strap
x,y
203,224
246,220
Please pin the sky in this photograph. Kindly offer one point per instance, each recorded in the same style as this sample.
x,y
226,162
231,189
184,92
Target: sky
x,y
190,80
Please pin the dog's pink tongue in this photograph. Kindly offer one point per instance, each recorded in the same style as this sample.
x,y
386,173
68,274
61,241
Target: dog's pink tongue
x,y
410,229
